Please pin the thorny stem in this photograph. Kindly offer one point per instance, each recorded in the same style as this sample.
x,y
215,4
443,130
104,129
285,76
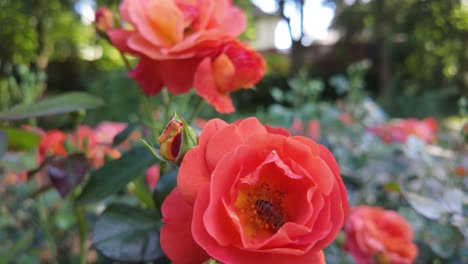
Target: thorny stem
x,y
47,229
126,62
167,104
196,110
148,111
83,231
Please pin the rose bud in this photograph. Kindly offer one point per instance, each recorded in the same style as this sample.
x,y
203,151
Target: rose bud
x,y
104,19
176,139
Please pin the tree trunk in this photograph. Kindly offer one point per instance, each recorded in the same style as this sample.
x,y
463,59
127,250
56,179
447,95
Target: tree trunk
x,y
382,33
296,58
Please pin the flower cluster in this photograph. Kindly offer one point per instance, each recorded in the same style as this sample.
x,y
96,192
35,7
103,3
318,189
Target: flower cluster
x,y
249,193
96,143
399,130
183,44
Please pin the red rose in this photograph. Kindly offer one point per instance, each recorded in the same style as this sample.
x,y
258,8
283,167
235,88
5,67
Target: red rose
x,y
249,193
184,43
375,235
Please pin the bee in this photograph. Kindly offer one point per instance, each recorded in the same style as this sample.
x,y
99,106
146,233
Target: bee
x,y
270,213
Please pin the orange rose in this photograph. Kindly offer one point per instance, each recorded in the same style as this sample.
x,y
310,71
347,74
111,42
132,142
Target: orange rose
x,y
249,193
375,235
186,43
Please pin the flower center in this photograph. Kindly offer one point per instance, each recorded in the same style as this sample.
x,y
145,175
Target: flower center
x,y
261,208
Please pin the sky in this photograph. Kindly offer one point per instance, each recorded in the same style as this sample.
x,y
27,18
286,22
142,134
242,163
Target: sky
x,y
317,19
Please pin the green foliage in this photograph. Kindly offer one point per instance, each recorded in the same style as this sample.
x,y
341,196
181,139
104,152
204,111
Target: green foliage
x,y
128,234
64,103
22,90
15,17
115,175
120,95
19,139
426,38
413,178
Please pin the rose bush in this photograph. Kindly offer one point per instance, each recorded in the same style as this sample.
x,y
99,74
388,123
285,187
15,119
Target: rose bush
x,y
249,193
375,235
398,131
184,43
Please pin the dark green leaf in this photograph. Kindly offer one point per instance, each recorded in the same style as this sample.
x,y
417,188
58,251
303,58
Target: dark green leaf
x,y
128,234
122,136
3,142
156,152
115,175
18,139
60,104
392,187
143,192
165,185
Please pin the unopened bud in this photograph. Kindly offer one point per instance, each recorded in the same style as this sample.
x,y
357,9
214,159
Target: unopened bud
x,y
104,19
176,139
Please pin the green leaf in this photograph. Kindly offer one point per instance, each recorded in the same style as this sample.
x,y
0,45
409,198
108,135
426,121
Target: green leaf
x,y
156,152
392,187
115,175
18,139
3,142
167,182
128,234
122,136
60,104
142,192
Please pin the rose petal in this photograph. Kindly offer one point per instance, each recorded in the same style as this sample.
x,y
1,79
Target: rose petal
x,y
119,38
220,223
176,240
229,138
177,75
328,157
205,86
147,75
193,174
160,30
232,14
277,130
236,255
